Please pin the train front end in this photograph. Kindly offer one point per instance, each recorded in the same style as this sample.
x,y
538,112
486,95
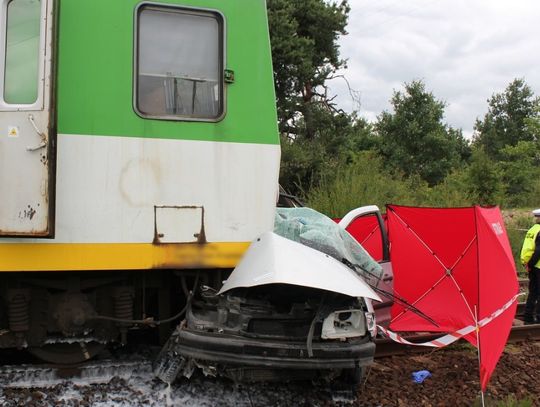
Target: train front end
x,y
139,152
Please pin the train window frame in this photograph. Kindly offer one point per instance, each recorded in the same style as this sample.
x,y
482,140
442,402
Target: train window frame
x,y
221,59
38,103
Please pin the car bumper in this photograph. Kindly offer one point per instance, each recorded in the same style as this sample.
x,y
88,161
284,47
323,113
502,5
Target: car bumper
x,y
242,351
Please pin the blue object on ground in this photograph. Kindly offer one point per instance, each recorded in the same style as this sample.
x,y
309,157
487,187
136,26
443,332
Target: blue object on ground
x,y
420,376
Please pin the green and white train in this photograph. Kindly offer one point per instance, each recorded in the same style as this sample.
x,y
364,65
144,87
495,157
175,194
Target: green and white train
x,y
138,143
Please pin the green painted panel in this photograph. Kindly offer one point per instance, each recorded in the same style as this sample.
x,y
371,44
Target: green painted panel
x,y
95,74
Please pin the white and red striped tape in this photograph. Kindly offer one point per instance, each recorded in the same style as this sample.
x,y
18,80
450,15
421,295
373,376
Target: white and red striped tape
x,y
452,337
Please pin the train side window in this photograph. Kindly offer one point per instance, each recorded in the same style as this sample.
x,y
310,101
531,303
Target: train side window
x,y
179,63
21,67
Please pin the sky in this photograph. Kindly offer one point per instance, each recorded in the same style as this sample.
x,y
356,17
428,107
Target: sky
x,y
464,51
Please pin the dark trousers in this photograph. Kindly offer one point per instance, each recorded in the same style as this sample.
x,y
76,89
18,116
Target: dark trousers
x,y
532,306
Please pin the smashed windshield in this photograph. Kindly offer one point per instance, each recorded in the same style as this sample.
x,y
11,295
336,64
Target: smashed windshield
x,y
313,229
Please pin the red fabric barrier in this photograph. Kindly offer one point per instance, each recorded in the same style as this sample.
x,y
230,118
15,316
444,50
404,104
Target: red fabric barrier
x,y
455,266
366,231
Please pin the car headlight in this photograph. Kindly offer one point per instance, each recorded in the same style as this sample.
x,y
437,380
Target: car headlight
x,y
347,324
371,323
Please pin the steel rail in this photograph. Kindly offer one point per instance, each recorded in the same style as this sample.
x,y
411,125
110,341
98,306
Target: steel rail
x,y
386,347
95,372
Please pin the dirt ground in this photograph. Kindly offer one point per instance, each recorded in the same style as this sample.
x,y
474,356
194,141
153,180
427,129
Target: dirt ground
x,y
454,380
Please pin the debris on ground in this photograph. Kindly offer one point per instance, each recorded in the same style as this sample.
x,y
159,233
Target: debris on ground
x,y
454,382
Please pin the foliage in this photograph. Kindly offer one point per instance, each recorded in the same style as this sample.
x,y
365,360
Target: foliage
x,y
306,161
484,179
517,223
314,133
361,137
305,55
414,139
520,171
409,155
365,181
532,123
509,401
454,191
413,146
510,118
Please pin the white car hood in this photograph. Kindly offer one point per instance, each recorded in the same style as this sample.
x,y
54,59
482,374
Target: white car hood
x,y
272,259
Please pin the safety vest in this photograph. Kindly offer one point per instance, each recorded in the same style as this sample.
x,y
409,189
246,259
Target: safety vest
x,y
529,244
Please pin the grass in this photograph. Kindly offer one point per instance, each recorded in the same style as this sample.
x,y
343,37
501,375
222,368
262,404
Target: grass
x,y
510,401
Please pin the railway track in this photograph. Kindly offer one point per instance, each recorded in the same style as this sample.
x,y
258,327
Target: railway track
x,y
132,383
40,376
102,371
127,367
387,347
519,333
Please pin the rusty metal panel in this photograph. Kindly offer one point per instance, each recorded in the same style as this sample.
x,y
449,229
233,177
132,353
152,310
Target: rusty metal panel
x,y
25,137
179,224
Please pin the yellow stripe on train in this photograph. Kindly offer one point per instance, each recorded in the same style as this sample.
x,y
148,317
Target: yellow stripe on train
x,y
118,256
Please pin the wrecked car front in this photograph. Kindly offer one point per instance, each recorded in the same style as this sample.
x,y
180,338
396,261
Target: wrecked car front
x,y
286,312
244,335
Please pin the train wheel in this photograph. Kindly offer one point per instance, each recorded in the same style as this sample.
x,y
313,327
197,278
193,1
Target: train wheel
x,y
67,353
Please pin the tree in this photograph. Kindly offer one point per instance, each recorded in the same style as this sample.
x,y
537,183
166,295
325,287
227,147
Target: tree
x,y
414,140
363,181
505,123
532,124
304,161
520,171
484,179
305,55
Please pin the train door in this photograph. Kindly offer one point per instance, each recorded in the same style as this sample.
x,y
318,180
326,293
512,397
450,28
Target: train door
x,y
26,125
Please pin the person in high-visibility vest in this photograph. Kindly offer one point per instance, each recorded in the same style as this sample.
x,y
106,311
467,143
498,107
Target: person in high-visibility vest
x,y
530,258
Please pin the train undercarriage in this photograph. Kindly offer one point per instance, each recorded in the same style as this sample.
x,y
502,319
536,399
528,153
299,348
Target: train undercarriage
x,y
67,318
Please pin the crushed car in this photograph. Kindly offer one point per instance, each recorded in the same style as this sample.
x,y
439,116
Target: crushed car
x,y
297,306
